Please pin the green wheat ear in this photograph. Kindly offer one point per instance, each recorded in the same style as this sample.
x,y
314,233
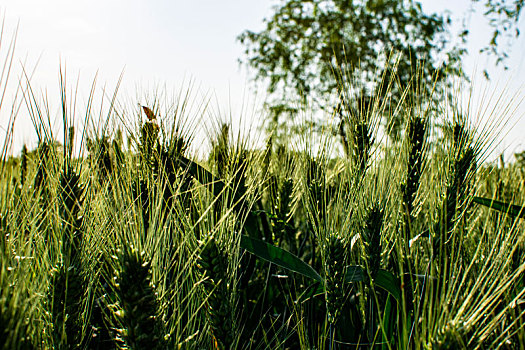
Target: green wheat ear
x,y
372,236
3,233
68,287
43,153
362,143
462,169
282,197
119,157
137,308
149,144
212,264
99,154
416,137
66,295
71,198
23,165
221,151
335,264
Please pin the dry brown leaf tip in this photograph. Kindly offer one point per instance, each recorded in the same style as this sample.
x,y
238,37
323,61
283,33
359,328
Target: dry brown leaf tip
x,y
149,113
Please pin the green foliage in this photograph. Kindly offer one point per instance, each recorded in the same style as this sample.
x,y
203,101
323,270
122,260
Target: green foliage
x,y
503,17
309,49
14,328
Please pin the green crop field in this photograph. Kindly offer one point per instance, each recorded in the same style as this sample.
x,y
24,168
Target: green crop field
x,y
122,236
395,245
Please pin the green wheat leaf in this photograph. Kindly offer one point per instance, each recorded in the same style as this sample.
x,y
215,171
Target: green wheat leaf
x,y
354,273
388,282
279,257
510,209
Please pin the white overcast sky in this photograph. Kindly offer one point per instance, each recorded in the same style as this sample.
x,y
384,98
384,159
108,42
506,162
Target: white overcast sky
x,y
171,42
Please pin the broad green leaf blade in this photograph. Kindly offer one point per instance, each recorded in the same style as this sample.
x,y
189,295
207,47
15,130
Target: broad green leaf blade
x,y
279,257
388,282
354,273
511,209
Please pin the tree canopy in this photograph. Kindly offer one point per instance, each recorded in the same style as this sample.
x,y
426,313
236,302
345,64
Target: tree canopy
x,y
307,44
310,47
503,17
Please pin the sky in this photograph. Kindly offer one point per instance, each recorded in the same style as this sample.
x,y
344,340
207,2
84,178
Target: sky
x,y
172,45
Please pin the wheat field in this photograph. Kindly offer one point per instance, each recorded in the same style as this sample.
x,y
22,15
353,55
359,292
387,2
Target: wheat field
x,y
123,237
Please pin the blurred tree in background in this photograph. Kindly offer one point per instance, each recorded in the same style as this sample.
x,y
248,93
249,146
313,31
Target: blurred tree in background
x,y
503,17
309,49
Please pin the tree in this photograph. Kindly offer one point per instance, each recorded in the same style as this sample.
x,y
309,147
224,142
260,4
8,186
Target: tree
x,y
309,48
503,17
